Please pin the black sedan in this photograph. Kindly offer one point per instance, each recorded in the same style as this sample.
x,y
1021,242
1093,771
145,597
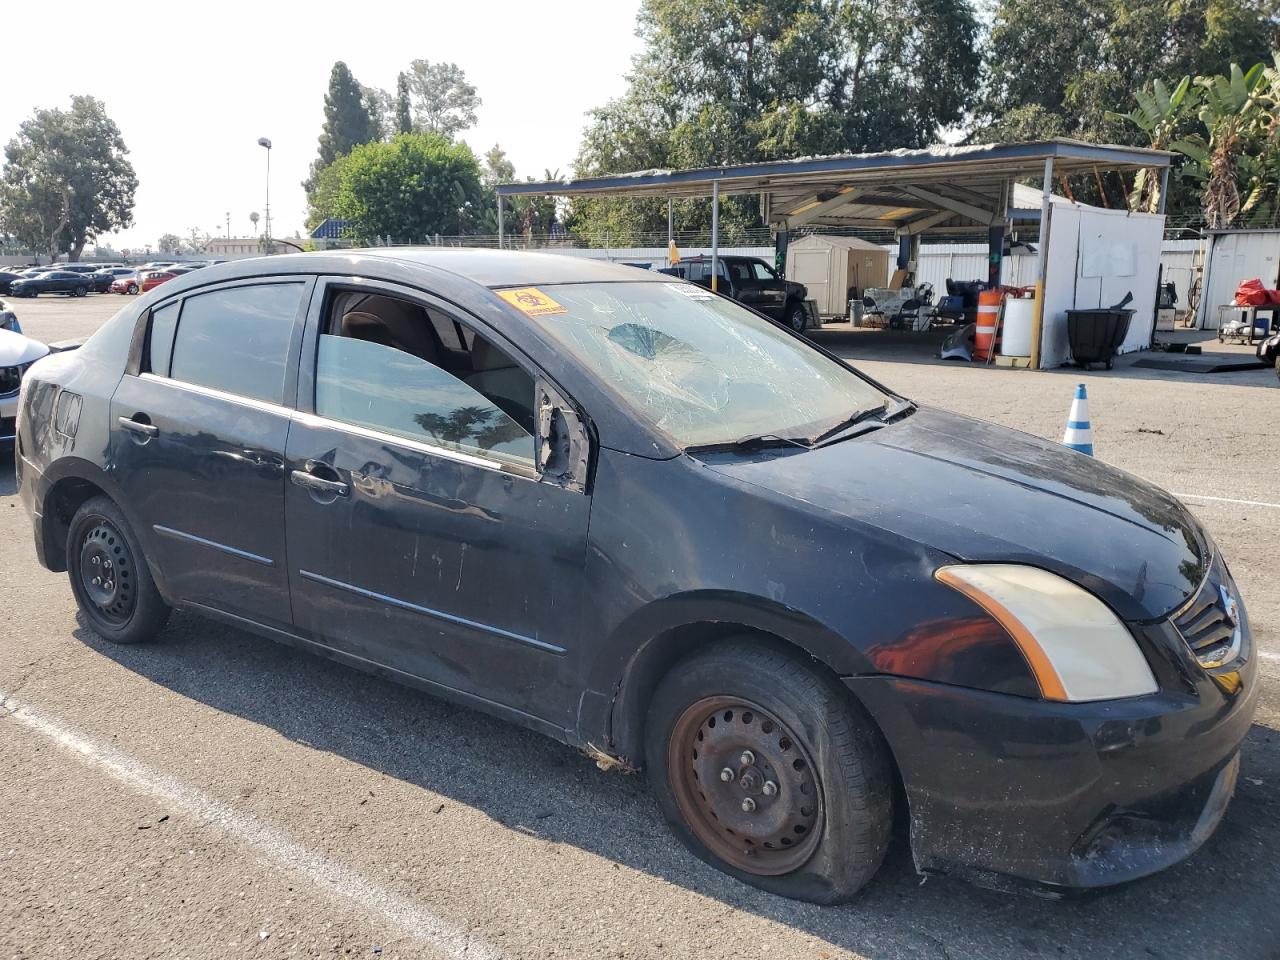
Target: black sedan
x,y
624,511
100,280
52,281
7,278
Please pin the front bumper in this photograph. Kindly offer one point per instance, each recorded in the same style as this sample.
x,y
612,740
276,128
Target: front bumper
x,y
8,417
1007,791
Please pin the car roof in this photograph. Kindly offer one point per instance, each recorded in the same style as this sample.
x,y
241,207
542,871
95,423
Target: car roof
x,y
489,268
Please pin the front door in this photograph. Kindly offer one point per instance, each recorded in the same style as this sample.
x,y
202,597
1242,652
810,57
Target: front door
x,y
420,536
198,441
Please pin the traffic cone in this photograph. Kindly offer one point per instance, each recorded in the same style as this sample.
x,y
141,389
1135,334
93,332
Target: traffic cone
x,y
1079,435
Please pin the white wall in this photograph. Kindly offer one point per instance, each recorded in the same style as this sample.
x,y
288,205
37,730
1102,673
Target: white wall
x,y
1095,257
1233,258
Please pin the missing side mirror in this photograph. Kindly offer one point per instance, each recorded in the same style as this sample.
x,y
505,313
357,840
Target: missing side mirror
x,y
564,449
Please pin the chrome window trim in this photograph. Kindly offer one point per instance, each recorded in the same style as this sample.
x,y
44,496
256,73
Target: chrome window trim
x,y
328,423
214,393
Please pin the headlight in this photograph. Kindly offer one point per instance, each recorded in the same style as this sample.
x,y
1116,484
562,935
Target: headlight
x,y
1076,647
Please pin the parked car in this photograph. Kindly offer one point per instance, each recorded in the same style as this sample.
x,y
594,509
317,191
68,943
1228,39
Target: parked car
x,y
153,278
642,519
9,319
17,354
752,282
52,281
103,279
126,283
6,278
1268,351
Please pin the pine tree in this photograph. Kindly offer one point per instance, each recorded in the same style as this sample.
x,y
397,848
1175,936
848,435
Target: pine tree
x,y
347,122
404,113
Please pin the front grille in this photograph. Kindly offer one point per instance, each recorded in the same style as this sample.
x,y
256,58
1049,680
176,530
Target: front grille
x,y
10,378
1210,621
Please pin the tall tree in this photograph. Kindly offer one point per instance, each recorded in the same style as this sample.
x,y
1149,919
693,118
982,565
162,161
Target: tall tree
x,y
404,105
442,101
347,121
417,185
169,243
1090,55
67,179
772,79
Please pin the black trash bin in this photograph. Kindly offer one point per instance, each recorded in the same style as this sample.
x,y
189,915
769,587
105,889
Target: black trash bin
x,y
1095,335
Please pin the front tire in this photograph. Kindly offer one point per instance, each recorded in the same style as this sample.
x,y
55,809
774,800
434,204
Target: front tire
x,y
133,288
82,291
797,318
769,770
110,577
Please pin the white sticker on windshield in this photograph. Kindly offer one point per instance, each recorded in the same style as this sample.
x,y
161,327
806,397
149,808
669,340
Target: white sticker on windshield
x,y
691,290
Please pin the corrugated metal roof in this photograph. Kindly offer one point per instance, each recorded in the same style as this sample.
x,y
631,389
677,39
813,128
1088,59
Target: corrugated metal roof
x,y
936,188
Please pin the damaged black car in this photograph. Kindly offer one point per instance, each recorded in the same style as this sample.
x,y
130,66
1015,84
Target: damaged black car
x,y
638,517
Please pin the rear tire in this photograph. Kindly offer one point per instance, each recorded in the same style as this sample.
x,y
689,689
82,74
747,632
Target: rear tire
x,y
819,780
797,318
133,288
110,577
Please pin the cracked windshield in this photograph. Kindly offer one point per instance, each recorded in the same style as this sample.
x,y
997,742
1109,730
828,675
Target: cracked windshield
x,y
701,368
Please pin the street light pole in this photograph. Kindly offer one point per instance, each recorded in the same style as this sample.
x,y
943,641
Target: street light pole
x,y
266,210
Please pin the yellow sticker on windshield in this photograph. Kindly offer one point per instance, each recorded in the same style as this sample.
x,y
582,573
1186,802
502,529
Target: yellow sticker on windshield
x,y
532,301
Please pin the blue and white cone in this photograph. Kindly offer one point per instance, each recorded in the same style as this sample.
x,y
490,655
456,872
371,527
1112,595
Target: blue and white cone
x,y
1079,435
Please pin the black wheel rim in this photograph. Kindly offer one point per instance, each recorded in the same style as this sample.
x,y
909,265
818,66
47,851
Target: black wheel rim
x,y
107,573
746,785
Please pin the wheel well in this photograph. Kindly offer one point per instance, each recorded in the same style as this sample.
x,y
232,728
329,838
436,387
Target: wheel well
x,y
664,653
60,505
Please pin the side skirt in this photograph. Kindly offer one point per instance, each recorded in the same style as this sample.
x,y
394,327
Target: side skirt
x,y
440,690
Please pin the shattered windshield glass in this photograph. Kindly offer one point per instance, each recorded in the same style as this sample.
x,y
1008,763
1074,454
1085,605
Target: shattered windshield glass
x,y
699,367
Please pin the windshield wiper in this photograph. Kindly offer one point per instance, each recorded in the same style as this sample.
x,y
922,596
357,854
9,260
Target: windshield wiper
x,y
883,415
748,444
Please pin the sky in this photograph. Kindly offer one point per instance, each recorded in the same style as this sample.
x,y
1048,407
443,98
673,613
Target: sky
x,y
192,88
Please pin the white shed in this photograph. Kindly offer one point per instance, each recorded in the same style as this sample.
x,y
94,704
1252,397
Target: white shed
x,y
830,267
1233,257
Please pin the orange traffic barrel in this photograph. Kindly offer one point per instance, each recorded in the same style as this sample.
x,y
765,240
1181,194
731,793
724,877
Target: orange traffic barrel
x,y
984,340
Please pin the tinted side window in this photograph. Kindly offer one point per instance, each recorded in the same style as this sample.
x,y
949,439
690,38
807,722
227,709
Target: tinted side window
x,y
237,339
160,343
386,365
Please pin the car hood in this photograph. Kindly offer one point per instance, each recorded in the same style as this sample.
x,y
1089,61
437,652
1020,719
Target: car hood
x,y
985,493
16,349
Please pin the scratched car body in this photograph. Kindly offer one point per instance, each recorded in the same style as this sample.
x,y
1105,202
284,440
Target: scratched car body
x,y
637,517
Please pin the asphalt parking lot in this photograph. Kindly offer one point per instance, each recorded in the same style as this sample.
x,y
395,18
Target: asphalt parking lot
x,y
215,795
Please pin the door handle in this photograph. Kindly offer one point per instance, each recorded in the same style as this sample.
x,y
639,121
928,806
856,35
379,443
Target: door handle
x,y
310,481
138,427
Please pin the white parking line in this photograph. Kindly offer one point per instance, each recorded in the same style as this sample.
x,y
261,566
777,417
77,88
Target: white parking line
x,y
1268,655
1247,503
446,939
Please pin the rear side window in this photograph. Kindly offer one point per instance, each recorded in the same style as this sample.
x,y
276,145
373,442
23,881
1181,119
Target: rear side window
x,y
160,345
237,339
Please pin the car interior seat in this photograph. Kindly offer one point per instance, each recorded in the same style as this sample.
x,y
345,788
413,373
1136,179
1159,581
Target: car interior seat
x,y
500,379
392,323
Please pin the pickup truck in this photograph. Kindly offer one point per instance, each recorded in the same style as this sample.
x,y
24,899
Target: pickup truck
x,y
751,282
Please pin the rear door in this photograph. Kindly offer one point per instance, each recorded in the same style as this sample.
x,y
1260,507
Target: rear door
x,y
198,439
420,534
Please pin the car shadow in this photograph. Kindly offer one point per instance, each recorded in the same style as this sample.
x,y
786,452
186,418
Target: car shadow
x,y
531,784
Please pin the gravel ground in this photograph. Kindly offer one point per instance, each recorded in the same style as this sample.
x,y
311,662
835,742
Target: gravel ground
x,y
215,795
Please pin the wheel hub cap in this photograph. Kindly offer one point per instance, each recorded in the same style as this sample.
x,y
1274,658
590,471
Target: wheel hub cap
x,y
106,572
766,817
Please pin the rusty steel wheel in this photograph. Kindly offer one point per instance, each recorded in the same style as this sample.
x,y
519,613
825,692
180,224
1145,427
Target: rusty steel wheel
x,y
746,785
768,769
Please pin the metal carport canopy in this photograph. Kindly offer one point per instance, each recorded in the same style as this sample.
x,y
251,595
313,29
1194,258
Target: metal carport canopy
x,y
940,188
